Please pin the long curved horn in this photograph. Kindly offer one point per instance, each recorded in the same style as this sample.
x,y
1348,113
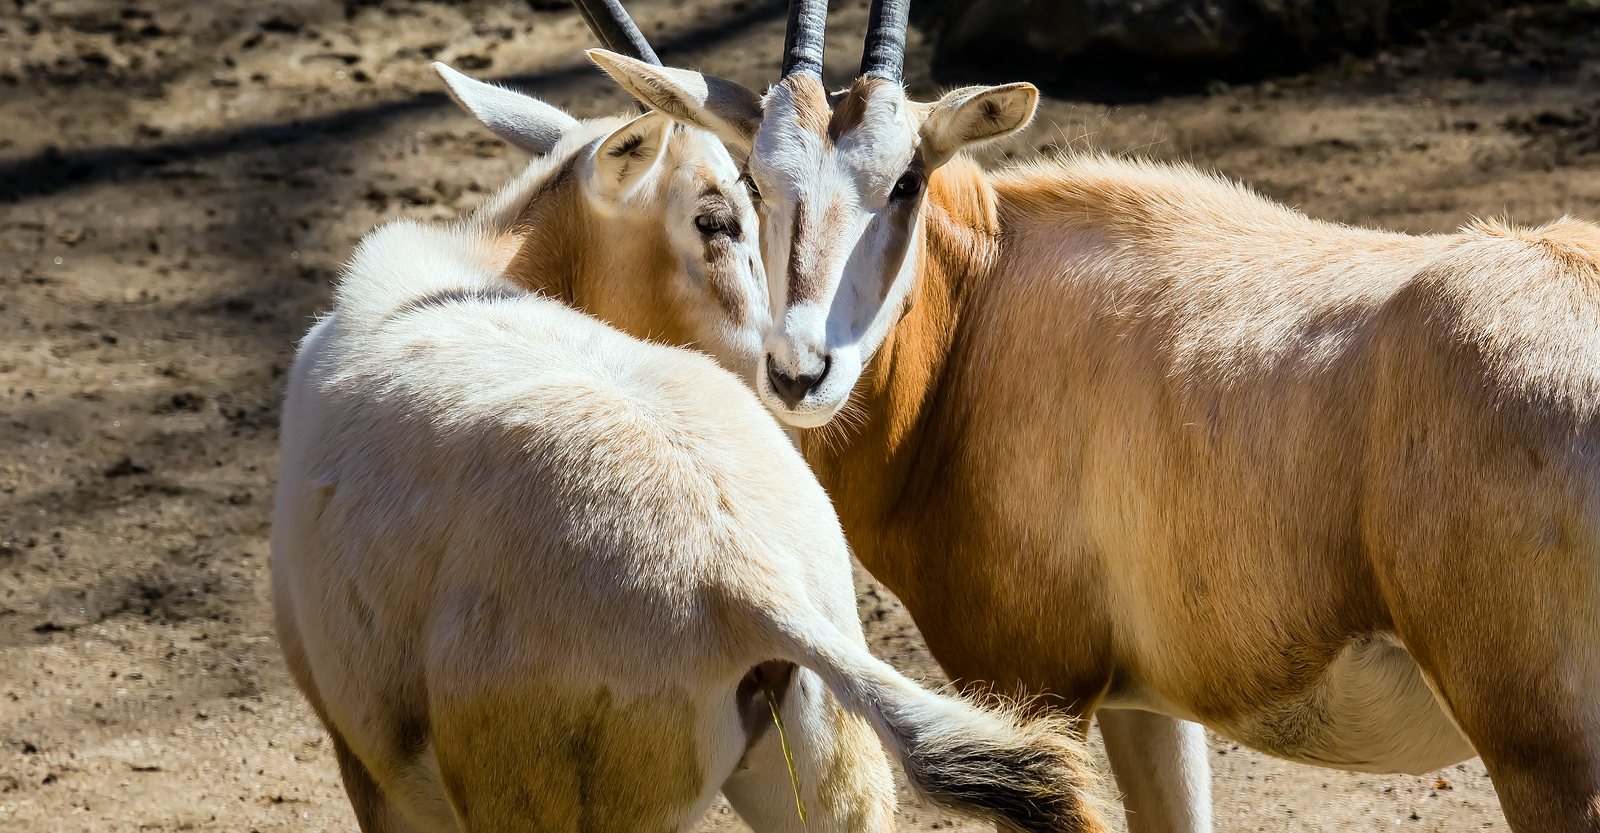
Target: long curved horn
x,y
802,39
616,30
884,55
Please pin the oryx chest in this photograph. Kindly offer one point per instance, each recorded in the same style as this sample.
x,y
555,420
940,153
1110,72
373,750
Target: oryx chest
x,y
1370,710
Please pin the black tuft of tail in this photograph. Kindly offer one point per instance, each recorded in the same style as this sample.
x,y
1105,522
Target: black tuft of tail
x,y
991,759
1026,775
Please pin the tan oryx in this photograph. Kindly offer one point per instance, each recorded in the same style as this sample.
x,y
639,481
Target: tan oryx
x,y
1130,435
535,574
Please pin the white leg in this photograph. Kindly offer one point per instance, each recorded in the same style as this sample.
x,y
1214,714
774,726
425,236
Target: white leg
x,y
845,778
1162,770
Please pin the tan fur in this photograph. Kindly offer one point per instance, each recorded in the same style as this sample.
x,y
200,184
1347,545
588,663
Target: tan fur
x,y
543,757
571,252
1145,437
814,114
1126,435
516,550
427,745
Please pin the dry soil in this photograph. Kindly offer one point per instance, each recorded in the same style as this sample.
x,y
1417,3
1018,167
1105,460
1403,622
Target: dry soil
x,y
179,183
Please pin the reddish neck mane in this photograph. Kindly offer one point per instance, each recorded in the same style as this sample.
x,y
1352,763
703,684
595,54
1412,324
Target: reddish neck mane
x,y
867,458
566,251
553,234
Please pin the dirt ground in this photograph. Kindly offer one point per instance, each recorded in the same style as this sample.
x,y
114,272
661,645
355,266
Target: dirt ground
x,y
179,183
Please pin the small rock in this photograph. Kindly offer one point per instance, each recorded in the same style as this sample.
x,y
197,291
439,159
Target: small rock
x,y
126,467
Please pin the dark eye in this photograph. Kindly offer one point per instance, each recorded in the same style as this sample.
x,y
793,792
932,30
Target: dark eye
x,y
712,225
907,186
750,185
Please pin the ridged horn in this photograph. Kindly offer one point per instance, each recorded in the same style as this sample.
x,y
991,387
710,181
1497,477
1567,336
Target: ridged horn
x,y
802,39
884,55
616,30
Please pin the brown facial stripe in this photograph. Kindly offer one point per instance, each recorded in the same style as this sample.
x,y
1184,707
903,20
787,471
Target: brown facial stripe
x,y
722,276
900,220
800,276
712,199
719,255
806,273
811,104
852,108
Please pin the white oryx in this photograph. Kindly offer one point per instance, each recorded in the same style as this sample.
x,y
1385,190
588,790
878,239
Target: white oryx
x,y
535,574
1131,436
639,222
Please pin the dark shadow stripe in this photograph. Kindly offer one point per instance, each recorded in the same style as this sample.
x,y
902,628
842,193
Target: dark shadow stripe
x,y
458,295
52,170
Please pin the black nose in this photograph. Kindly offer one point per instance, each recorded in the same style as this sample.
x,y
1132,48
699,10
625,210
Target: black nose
x,y
792,389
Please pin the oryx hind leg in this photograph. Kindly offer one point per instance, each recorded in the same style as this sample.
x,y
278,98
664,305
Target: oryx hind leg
x,y
1504,621
372,809
846,783
1533,714
541,758
1483,517
1519,677
1162,770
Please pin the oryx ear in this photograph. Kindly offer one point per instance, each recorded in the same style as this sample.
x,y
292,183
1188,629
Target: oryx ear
x,y
975,114
728,110
522,120
627,155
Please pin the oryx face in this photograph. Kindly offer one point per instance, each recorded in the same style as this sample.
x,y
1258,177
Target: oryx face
x,y
840,189
655,217
712,229
841,180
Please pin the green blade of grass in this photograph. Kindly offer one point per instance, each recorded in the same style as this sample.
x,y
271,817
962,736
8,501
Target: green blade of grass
x,y
788,757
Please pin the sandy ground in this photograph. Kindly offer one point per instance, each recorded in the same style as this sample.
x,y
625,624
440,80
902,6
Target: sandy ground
x,y
179,183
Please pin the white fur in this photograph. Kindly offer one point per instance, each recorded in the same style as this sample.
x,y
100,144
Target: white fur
x,y
843,325
645,182
512,544
1163,770
507,113
422,453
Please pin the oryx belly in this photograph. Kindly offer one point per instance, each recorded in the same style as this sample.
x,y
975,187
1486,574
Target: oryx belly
x,y
1371,710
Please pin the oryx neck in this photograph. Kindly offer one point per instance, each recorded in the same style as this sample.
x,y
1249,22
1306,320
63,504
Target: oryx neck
x,y
554,228
872,455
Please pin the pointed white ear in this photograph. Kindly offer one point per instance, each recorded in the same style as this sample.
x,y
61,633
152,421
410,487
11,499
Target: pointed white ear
x,y
975,114
729,110
623,159
522,120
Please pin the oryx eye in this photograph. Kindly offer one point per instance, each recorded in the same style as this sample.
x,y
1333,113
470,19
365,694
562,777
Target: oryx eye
x,y
907,186
712,225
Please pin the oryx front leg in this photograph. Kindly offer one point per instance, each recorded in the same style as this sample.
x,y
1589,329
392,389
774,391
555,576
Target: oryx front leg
x,y
1161,768
845,780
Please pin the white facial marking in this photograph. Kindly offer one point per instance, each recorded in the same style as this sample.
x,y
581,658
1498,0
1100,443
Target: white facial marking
x,y
714,229
839,246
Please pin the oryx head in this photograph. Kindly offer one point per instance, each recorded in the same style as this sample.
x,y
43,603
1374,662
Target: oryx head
x,y
841,178
641,222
